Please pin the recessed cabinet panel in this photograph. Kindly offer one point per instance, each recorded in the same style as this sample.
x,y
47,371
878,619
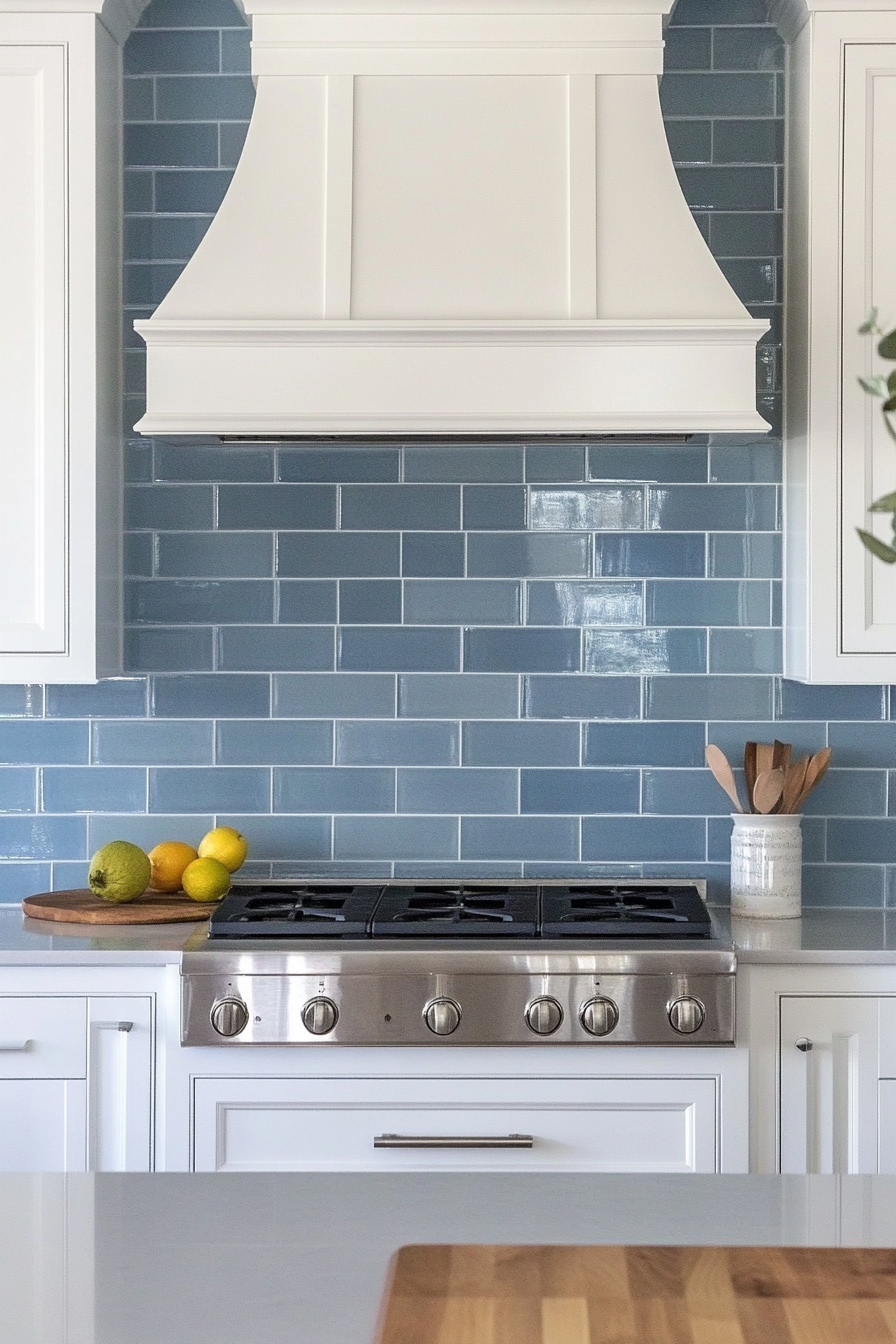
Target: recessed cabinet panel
x,y
42,1125
33,358
43,1037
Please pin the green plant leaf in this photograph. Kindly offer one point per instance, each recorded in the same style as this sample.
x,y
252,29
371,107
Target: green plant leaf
x,y
886,504
886,348
877,547
877,385
870,323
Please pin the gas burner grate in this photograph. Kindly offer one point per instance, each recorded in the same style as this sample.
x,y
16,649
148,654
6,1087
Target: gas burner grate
x,y
295,911
456,912
608,911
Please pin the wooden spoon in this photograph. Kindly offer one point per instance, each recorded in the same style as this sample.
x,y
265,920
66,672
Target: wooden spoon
x,y
769,785
794,783
781,753
765,757
750,771
815,772
721,768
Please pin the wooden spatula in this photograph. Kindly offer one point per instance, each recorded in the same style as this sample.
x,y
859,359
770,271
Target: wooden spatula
x,y
765,757
815,772
750,772
769,785
721,768
794,783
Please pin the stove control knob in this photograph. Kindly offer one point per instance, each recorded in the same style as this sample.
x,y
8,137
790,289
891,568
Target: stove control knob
x,y
544,1016
686,1015
229,1016
320,1016
599,1016
442,1016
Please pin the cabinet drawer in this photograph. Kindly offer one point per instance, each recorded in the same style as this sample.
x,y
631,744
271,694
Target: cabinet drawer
x,y
42,1037
594,1124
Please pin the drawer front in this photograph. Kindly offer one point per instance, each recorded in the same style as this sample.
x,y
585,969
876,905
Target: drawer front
x,y
43,1037
595,1124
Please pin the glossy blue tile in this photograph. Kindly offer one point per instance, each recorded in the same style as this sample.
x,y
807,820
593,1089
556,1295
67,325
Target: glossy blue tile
x,y
678,744
740,554
649,555
277,506
285,837
223,788
754,280
138,193
168,507
172,53
707,11
278,648
702,508
18,880
147,284
138,554
337,555
571,792
555,462
231,140
395,838
519,838
860,744
586,507
708,698
148,831
858,841
494,508
307,602
718,95
458,791
400,742
172,238
433,554
585,603
18,790
382,507
747,233
181,649
340,695
200,601
747,49
745,651
215,98
154,742
752,462
171,146
458,696
640,651
462,602
21,702
581,697
503,871
334,789
646,462
43,743
798,701
191,14
708,602
689,141
687,48
490,554
279,742
92,789
494,463
115,698
692,792
857,886
235,52
388,649
371,602
217,696
338,464
38,838
206,555
643,839
522,650
521,744
850,793
139,99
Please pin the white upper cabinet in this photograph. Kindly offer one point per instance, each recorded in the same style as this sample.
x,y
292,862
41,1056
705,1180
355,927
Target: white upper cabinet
x,y
840,604
60,380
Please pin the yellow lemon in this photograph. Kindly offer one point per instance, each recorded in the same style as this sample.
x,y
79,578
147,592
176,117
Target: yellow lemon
x,y
169,859
226,845
206,880
119,871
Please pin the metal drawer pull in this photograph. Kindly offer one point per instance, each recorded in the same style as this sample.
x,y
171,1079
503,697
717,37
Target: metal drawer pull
x,y
113,1026
7,1047
803,1044
453,1141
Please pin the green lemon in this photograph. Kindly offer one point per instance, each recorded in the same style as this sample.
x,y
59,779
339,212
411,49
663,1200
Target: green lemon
x,y
206,880
119,871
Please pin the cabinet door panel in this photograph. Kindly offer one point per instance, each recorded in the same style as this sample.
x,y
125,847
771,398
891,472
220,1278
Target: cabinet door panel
x,y
597,1124
42,1125
43,1037
34,525
828,1092
120,1098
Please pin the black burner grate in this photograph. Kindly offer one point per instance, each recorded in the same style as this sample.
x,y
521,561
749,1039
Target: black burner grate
x,y
299,911
463,911
601,910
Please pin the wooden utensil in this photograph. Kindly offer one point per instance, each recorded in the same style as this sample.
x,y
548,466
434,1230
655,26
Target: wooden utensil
x,y
794,783
82,907
765,757
815,772
769,786
750,771
721,768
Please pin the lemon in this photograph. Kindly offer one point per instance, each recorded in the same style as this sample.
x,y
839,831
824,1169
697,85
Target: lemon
x,y
169,859
119,871
206,880
226,845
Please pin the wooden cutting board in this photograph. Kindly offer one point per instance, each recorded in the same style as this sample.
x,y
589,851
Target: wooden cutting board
x,y
82,907
640,1295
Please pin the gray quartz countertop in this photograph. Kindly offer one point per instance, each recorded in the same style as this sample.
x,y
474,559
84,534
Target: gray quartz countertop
x,y
844,937
294,1258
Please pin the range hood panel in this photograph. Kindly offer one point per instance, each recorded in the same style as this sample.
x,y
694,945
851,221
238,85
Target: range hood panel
x,y
453,224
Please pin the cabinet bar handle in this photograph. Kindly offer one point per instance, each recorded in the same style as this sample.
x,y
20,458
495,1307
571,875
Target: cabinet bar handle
x,y
7,1047
113,1026
453,1141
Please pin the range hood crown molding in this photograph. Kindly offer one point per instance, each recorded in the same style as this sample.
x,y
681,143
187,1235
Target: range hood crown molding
x,y
453,223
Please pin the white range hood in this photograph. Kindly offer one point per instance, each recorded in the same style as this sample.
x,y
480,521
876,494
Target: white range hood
x,y
453,223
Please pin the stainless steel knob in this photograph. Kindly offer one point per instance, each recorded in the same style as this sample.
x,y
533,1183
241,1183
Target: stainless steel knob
x,y
599,1016
803,1044
229,1016
686,1015
544,1015
442,1016
320,1015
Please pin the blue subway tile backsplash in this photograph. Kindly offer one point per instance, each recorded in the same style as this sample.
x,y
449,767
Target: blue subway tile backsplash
x,y
433,660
